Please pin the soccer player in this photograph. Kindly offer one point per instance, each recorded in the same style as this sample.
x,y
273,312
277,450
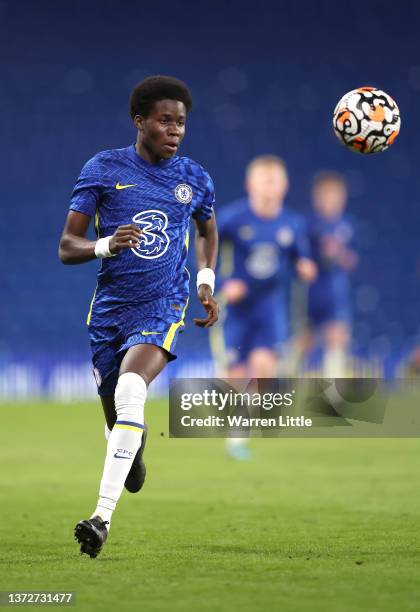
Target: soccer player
x,y
264,245
141,198
329,298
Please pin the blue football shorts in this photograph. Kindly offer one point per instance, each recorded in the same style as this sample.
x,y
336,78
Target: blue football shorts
x,y
329,301
114,330
262,323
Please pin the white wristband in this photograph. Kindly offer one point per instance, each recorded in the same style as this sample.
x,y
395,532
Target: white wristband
x,y
102,247
206,276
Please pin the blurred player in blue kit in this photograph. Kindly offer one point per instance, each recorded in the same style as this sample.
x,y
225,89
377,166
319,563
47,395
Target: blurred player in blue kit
x,y
329,297
141,199
264,246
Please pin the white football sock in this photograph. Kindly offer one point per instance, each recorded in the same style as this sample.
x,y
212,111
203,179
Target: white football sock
x,y
123,443
107,432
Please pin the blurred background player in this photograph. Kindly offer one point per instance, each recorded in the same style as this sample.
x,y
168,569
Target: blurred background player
x,y
329,297
263,246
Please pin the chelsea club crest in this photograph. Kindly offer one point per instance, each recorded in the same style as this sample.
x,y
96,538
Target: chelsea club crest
x,y
183,193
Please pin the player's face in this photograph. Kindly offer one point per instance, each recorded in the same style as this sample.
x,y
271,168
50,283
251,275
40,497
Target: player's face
x,y
330,199
163,129
267,187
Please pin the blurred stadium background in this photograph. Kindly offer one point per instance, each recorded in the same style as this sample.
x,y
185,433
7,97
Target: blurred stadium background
x,y
264,80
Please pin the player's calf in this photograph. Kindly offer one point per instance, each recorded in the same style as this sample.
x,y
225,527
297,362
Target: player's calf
x,y
137,474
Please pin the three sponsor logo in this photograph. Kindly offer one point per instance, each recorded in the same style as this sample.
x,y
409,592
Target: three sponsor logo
x,y
154,240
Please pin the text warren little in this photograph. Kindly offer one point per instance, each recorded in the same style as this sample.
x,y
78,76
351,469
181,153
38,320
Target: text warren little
x,y
241,421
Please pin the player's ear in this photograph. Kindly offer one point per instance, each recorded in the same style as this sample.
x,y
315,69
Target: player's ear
x,y
139,122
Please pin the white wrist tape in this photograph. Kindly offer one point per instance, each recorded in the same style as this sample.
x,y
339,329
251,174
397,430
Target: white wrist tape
x,y
206,276
102,247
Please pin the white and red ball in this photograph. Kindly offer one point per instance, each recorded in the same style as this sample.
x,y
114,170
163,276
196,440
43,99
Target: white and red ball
x,y
367,120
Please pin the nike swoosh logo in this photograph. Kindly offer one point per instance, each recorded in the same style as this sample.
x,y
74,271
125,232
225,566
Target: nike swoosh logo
x,y
146,333
118,186
121,456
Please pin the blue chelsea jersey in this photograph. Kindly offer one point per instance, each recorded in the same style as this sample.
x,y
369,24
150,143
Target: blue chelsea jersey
x,y
264,250
118,187
320,230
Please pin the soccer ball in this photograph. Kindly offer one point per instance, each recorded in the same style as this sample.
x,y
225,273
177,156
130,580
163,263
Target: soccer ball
x,y
367,120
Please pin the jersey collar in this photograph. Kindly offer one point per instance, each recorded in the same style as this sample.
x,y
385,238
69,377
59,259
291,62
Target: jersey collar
x,y
163,163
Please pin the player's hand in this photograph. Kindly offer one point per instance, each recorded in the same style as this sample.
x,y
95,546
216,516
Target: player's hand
x,y
306,269
348,260
210,304
331,247
234,290
125,237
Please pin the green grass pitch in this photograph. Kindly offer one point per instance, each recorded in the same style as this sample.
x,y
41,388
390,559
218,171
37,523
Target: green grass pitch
x,y
328,525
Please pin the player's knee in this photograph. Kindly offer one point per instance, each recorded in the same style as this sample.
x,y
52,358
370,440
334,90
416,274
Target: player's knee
x,y
237,371
262,363
337,335
130,395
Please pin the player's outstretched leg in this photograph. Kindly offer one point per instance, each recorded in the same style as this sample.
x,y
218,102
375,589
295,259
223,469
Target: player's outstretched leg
x,y
123,444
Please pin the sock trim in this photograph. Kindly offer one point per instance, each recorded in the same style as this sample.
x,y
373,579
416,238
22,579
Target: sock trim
x,y
129,425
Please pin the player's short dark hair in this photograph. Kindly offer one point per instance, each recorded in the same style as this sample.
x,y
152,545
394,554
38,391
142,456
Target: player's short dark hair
x,y
329,176
155,88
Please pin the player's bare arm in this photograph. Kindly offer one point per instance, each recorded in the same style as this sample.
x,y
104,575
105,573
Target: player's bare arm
x,y
75,248
206,245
